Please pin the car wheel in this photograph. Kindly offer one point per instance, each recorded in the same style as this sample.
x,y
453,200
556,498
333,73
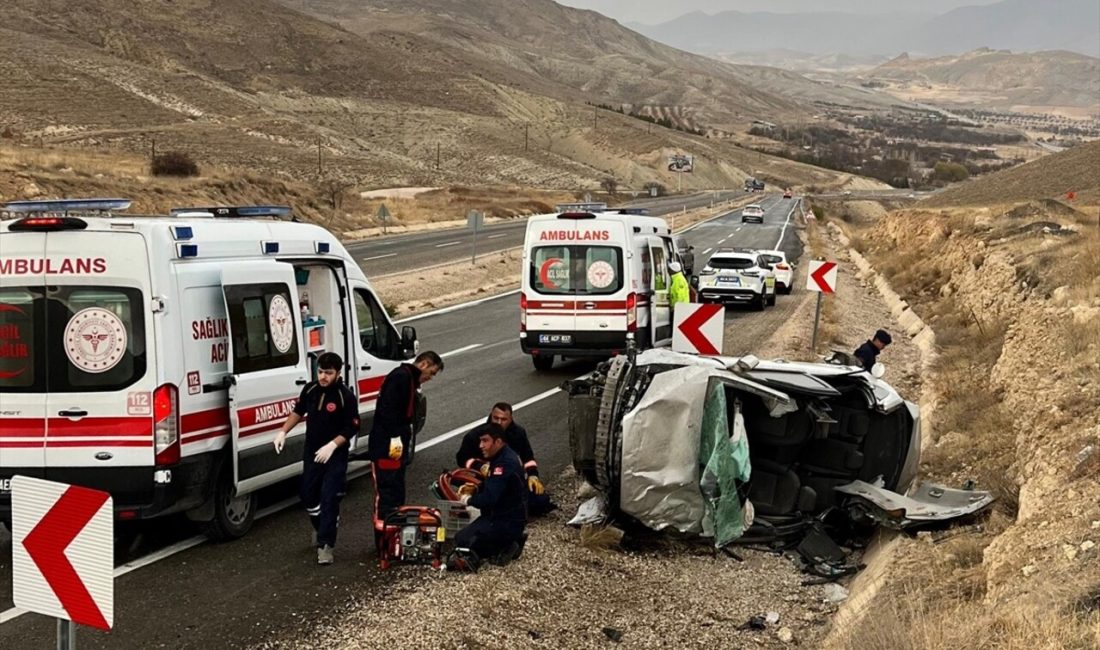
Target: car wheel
x,y
543,361
771,299
787,290
761,303
233,514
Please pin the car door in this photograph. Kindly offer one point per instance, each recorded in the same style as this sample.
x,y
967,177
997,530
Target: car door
x,y
660,310
378,351
268,368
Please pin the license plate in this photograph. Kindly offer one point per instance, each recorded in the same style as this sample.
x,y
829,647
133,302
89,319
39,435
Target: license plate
x,y
5,485
555,339
729,280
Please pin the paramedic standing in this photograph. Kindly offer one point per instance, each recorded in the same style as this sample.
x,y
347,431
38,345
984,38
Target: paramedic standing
x,y
678,288
515,436
498,532
390,439
868,352
331,412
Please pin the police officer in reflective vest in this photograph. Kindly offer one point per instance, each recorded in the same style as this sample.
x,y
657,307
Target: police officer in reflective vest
x,y
331,412
498,532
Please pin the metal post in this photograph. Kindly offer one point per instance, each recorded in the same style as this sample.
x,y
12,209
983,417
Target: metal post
x,y
680,181
817,319
525,127
473,258
66,635
320,172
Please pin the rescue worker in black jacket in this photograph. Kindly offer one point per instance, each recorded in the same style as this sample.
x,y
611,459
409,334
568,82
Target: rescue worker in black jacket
x,y
331,412
515,436
390,438
498,532
868,352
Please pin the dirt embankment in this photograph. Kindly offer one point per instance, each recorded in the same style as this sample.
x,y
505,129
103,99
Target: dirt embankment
x,y
1014,298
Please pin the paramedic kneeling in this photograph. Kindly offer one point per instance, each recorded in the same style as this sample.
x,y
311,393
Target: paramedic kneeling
x,y
498,532
331,412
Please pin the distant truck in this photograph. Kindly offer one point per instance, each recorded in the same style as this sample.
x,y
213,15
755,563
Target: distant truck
x,y
753,185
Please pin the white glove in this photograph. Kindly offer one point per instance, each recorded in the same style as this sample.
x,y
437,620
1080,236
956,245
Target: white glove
x,y
465,498
396,448
324,453
280,442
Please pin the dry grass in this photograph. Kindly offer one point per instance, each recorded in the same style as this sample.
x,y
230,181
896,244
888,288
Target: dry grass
x,y
600,538
829,332
907,618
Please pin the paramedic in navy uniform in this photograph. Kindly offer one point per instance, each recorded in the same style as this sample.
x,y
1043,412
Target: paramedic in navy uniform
x,y
331,412
502,500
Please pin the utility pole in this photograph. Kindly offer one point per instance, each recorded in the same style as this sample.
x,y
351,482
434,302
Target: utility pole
x,y
595,117
153,150
437,156
320,171
526,126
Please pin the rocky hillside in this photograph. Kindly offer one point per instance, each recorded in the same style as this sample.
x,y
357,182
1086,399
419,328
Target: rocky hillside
x,y
1076,170
1053,78
413,93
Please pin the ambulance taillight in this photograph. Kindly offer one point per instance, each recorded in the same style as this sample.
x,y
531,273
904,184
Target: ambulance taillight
x,y
632,312
166,434
522,312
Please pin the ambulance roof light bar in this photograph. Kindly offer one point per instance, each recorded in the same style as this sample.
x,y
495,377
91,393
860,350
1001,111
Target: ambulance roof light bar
x,y
65,206
235,211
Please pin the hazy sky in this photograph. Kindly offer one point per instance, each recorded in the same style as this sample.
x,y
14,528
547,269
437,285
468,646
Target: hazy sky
x,y
657,11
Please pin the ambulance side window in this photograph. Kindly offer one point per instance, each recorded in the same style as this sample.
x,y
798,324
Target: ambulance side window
x,y
22,340
250,310
660,269
375,333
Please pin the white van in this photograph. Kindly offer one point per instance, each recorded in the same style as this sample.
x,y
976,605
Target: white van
x,y
591,282
157,357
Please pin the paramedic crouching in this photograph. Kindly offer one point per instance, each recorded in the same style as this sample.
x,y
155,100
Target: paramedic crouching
x,y
498,532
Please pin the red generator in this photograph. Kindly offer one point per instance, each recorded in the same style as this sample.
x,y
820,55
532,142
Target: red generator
x,y
413,535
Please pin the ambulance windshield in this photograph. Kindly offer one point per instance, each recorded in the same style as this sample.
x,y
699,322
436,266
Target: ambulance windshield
x,y
559,270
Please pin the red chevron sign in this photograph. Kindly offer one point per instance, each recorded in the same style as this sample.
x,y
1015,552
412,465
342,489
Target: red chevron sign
x,y
62,551
698,328
822,276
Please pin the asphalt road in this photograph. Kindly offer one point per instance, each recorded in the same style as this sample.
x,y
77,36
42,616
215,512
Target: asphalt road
x,y
399,253
239,593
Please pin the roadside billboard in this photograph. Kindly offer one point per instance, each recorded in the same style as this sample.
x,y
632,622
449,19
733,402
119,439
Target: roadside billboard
x,y
681,162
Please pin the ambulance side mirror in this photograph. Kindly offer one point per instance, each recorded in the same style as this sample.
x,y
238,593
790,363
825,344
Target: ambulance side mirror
x,y
409,344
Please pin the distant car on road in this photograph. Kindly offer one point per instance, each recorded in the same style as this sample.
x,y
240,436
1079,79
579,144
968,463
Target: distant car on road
x,y
787,194
784,270
739,276
752,212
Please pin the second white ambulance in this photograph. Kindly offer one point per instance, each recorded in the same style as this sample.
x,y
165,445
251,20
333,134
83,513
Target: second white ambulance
x,y
592,282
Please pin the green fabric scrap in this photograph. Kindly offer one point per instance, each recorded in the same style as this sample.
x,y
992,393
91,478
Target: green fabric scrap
x,y
724,459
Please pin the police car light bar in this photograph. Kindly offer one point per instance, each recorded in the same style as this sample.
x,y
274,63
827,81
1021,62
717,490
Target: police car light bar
x,y
66,205
236,212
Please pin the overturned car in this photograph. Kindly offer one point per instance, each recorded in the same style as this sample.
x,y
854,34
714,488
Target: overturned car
x,y
751,450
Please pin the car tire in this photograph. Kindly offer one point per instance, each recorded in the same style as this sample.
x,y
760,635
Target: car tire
x,y
787,290
771,299
761,303
233,515
543,362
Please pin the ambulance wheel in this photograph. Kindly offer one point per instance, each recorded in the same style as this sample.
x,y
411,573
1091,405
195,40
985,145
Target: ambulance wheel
x,y
543,361
233,515
6,522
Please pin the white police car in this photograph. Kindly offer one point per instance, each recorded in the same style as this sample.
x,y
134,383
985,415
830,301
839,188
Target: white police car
x,y
737,276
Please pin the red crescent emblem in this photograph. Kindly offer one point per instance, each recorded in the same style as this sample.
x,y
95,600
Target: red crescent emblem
x,y
544,273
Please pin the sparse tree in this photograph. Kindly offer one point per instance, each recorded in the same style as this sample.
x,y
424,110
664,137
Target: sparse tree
x,y
174,163
334,190
610,185
650,186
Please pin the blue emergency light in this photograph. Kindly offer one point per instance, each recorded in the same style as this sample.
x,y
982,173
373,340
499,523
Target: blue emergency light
x,y
238,211
67,205
187,250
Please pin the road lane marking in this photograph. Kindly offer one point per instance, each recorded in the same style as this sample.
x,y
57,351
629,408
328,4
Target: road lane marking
x,y
450,243
707,251
467,348
378,257
785,224
737,229
503,234
443,437
461,305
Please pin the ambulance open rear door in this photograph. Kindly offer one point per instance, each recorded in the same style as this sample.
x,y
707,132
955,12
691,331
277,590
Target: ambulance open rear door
x,y
268,368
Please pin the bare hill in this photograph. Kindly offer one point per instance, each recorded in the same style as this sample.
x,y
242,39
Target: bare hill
x,y
1001,78
415,93
1076,170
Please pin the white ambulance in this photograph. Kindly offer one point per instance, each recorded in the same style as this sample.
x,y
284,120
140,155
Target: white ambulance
x,y
157,357
591,282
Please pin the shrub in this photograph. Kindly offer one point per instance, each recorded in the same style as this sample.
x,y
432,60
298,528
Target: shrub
x,y
174,163
950,172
